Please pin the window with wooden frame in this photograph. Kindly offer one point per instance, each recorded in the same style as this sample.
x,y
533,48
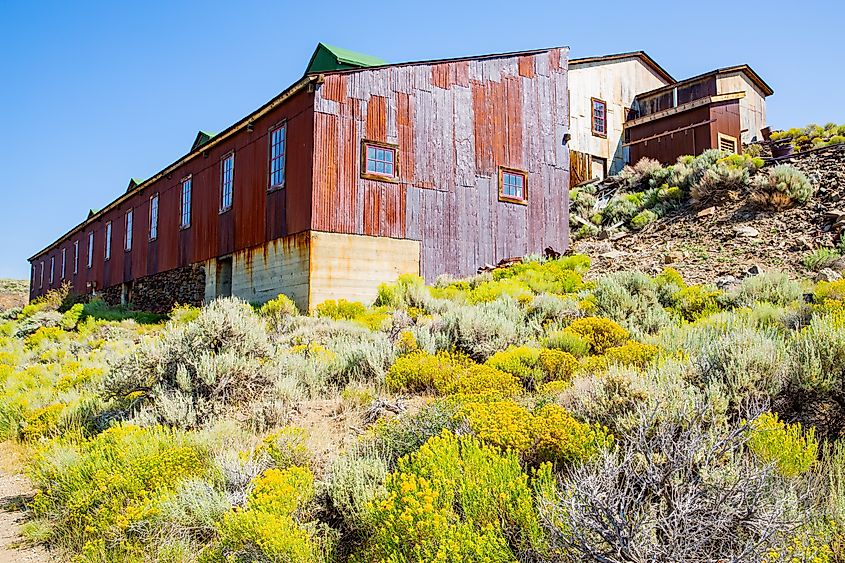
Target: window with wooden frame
x,y
90,249
52,268
227,180
75,257
107,254
727,143
185,206
278,152
598,111
153,217
513,185
379,161
127,241
41,279
64,263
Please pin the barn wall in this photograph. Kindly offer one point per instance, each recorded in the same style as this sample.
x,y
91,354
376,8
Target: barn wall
x,y
617,83
256,215
455,123
667,148
752,108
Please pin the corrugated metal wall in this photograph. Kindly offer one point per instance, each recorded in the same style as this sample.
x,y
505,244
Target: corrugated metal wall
x,y
256,215
455,123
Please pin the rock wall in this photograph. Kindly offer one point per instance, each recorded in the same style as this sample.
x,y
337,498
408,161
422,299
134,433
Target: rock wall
x,y
160,292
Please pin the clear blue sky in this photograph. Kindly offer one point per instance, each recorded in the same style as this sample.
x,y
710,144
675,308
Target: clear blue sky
x,y
96,92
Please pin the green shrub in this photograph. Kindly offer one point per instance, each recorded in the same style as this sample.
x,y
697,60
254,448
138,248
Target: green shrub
x,y
355,481
781,187
567,342
818,356
484,329
786,445
287,447
280,307
643,218
420,372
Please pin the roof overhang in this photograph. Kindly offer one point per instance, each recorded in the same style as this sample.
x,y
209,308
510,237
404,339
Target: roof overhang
x,y
641,55
706,101
219,138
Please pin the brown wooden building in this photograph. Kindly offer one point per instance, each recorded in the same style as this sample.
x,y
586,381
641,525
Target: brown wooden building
x,y
357,173
720,109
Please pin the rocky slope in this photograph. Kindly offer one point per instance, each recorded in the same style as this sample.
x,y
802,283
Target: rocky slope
x,y
727,241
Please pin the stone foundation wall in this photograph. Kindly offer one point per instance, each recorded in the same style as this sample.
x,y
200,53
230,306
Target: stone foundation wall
x,y
158,293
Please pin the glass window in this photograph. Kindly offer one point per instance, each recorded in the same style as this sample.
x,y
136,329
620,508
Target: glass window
x,y
64,263
41,280
108,241
227,177
278,144
380,160
127,241
76,257
90,249
52,268
599,117
154,217
513,185
185,219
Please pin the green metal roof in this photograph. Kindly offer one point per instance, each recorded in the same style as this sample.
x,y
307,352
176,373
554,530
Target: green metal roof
x,y
202,138
327,58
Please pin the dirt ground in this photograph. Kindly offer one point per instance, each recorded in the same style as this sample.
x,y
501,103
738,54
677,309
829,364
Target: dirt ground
x,y
15,491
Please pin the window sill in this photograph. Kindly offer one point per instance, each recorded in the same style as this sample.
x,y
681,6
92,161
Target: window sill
x,y
600,135
184,227
380,178
276,188
505,199
222,211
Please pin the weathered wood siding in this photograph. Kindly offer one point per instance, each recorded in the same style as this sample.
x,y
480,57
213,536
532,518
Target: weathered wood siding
x,y
752,108
455,123
616,82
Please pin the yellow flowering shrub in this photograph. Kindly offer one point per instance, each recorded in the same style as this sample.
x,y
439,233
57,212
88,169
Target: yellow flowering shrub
x,y
406,342
811,544
792,450
482,381
503,424
281,306
287,447
420,372
522,362
558,365
599,333
560,438
695,302
267,525
98,488
555,387
454,499
370,317
42,422
834,290
635,354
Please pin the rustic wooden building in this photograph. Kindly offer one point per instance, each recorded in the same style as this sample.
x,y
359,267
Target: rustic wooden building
x,y
720,109
357,173
602,91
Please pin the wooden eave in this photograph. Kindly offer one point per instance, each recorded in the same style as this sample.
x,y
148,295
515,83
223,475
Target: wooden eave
x,y
706,101
642,55
755,78
219,138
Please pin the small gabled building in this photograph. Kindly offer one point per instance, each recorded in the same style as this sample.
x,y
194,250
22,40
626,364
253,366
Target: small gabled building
x,y
601,93
357,173
721,109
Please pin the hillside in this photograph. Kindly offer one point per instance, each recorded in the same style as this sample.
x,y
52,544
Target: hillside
x,y
726,239
520,415
13,293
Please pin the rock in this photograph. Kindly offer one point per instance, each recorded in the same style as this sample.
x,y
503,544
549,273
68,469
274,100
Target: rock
x,y
672,257
727,283
706,212
746,231
754,270
827,275
837,265
834,215
614,254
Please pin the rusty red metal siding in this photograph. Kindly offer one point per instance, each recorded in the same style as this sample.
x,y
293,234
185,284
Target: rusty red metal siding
x,y
455,123
688,132
256,215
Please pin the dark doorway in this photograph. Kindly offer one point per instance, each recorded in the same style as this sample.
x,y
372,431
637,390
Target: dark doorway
x,y
224,277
